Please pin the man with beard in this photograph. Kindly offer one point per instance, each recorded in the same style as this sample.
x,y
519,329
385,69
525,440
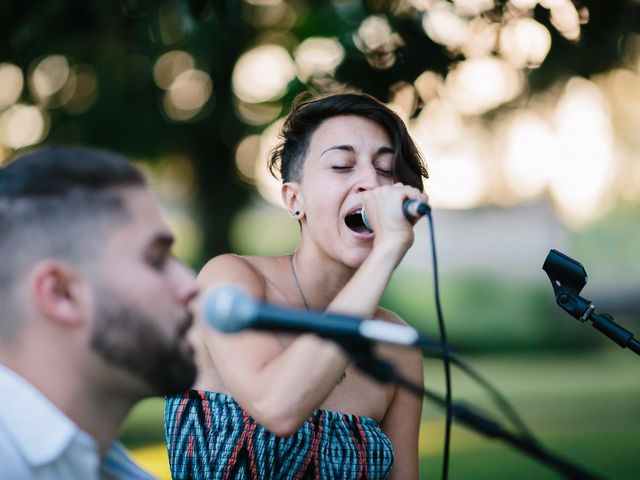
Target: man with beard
x,y
93,313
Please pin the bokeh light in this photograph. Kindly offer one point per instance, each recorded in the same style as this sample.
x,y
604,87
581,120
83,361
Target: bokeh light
x,y
169,65
318,56
529,154
377,40
85,90
262,74
584,171
188,94
246,156
12,81
525,42
478,85
445,27
48,77
22,125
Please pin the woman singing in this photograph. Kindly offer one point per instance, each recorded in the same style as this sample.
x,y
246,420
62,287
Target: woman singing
x,y
285,406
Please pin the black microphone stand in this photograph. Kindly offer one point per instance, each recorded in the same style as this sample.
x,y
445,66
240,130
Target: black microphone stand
x,y
568,277
383,371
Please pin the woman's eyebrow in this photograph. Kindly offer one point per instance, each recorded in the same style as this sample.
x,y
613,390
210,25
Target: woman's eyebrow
x,y
346,148
385,150
349,148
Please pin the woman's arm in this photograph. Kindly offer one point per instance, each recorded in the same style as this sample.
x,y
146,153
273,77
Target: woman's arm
x,y
278,388
281,388
401,421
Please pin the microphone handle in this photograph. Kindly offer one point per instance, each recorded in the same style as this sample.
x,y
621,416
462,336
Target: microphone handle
x,y
412,210
300,321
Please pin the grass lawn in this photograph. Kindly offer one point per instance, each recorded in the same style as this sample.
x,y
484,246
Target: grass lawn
x,y
582,406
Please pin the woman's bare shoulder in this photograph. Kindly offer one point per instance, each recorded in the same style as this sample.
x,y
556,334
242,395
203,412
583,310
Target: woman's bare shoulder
x,y
253,273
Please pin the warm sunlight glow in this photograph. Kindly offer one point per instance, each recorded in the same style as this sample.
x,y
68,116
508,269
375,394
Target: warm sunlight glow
x,y
529,155
456,155
11,83
584,168
477,85
461,178
262,74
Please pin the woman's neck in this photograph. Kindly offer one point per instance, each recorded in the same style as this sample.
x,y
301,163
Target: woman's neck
x,y
320,277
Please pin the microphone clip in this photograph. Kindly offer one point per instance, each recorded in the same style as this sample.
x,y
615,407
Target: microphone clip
x,y
568,277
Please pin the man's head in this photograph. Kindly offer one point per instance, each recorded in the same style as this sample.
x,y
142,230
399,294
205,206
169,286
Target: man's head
x,y
307,114
85,259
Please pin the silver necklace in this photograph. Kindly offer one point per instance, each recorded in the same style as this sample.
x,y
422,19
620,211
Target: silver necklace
x,y
295,278
304,299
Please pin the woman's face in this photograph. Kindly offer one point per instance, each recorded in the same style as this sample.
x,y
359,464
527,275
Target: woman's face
x,y
347,156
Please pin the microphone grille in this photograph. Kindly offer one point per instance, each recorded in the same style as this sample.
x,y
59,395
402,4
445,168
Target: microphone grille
x,y
228,309
365,220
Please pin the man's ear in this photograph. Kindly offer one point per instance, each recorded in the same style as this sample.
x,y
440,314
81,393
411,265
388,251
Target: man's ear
x,y
56,289
293,199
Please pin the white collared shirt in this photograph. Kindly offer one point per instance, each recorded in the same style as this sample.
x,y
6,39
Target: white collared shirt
x,y
39,442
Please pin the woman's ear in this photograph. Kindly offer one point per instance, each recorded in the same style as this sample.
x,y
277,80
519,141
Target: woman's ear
x,y
56,292
292,199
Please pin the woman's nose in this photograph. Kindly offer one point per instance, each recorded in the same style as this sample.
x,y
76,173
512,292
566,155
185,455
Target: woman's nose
x,y
368,178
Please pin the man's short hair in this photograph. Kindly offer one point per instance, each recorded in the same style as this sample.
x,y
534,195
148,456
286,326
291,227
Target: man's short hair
x,y
57,202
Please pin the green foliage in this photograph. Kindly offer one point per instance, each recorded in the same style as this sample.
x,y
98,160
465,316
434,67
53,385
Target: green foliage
x,y
484,312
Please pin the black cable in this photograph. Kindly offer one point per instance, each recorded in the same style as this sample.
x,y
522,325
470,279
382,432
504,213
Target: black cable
x,y
491,428
503,404
445,356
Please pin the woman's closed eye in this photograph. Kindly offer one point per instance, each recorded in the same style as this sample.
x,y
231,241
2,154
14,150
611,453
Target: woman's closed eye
x,y
341,167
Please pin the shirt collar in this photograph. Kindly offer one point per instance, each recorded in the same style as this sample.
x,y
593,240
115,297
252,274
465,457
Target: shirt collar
x,y
39,429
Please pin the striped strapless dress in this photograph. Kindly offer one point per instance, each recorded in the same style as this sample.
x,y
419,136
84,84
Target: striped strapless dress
x,y
209,436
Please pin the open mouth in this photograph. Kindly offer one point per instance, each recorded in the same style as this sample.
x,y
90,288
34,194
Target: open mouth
x,y
355,223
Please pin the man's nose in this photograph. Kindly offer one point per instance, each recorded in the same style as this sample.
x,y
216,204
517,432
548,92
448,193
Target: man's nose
x,y
185,283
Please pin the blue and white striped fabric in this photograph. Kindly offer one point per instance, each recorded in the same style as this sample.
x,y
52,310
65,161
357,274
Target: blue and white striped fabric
x,y
209,436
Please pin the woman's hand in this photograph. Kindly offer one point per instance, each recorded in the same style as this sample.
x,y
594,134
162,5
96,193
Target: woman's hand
x,y
384,208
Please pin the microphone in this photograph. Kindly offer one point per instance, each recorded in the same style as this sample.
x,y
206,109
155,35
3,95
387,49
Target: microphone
x,y
412,209
228,309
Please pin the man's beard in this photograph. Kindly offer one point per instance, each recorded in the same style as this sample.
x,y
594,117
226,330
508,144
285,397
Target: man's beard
x,y
126,337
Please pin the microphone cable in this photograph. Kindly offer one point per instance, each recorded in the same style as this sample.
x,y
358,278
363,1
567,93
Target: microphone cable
x,y
445,350
448,357
499,399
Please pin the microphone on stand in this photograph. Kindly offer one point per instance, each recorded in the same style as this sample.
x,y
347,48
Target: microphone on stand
x,y
228,309
412,209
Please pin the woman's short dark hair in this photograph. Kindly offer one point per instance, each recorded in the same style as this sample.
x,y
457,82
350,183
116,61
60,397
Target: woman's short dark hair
x,y
288,157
